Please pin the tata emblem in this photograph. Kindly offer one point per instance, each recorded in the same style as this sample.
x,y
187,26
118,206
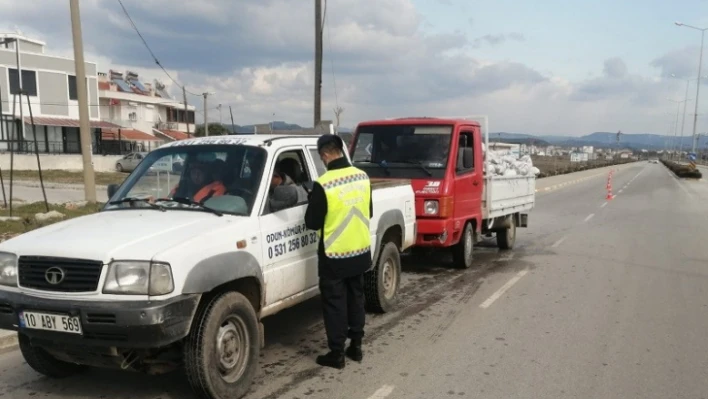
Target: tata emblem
x,y
54,275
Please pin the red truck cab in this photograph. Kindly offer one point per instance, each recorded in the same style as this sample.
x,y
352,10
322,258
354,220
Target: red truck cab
x,y
444,160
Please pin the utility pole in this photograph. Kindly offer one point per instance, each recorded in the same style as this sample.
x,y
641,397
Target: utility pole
x,y
84,127
19,81
186,108
206,124
318,62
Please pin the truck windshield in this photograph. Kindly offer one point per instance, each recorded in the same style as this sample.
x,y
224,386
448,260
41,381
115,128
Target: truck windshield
x,y
402,151
221,178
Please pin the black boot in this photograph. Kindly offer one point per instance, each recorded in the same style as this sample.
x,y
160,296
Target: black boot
x,y
354,350
332,359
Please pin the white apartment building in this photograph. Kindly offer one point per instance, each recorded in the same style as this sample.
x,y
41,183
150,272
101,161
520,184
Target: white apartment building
x,y
127,102
49,82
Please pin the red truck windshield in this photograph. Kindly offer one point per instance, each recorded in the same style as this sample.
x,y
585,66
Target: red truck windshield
x,y
402,151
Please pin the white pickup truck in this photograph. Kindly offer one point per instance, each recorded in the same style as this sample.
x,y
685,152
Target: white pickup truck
x,y
156,280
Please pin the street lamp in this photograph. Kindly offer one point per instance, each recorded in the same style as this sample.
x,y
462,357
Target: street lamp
x,y
698,79
685,105
678,108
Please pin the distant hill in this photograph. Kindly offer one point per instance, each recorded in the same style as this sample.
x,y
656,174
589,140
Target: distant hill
x,y
597,139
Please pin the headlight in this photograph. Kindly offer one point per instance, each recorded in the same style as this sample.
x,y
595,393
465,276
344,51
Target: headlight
x,y
8,269
139,278
431,207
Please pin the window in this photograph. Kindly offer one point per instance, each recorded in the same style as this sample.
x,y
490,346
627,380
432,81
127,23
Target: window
x,y
465,153
319,165
293,172
203,166
29,82
403,151
73,90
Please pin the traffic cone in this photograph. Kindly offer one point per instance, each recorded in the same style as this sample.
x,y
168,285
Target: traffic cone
x,y
609,187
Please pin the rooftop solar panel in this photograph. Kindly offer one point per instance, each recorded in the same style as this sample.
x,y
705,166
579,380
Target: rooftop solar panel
x,y
139,85
122,85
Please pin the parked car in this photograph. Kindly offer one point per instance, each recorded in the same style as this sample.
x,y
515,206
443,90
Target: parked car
x,y
129,162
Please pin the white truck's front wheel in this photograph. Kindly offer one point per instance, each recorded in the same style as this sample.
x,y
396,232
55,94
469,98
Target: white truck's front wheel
x,y
44,363
222,349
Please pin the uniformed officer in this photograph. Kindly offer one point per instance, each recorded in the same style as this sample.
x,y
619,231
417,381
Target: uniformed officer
x,y
340,209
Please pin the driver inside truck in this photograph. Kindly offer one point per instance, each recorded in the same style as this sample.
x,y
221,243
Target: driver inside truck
x,y
202,182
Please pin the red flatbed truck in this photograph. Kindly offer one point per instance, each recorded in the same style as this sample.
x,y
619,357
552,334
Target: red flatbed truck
x,y
456,202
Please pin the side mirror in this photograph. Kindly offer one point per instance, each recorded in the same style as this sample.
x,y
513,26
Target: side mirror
x,y
112,188
283,197
308,186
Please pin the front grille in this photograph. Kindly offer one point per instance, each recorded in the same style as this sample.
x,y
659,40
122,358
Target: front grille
x,y
79,275
6,309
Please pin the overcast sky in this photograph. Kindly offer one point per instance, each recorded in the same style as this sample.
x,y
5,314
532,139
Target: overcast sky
x,y
541,67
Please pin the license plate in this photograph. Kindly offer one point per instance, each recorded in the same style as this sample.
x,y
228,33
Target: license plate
x,y
50,322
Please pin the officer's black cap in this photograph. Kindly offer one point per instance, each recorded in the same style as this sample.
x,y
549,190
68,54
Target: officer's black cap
x,y
327,139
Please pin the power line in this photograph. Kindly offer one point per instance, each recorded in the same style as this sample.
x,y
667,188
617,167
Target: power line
x,y
154,57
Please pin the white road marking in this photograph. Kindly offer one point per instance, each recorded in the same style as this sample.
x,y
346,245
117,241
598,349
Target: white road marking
x,y
503,289
559,242
589,217
382,392
603,205
620,191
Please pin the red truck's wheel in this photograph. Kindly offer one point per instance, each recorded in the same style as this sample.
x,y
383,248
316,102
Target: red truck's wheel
x,y
462,252
507,237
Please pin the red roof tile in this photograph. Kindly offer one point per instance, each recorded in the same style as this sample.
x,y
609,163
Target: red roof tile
x,y
174,134
45,121
127,134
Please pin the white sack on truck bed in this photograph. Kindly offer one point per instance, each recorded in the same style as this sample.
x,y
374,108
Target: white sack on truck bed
x,y
508,165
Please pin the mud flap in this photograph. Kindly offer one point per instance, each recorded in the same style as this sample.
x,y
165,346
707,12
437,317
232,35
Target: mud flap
x,y
261,334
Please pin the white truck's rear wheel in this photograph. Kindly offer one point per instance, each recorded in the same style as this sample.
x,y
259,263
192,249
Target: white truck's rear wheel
x,y
462,252
381,284
44,363
222,349
507,237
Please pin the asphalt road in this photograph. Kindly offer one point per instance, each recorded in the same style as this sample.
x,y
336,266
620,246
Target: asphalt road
x,y
600,299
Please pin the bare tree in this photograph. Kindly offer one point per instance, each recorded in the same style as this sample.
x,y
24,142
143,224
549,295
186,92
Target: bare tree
x,y
338,113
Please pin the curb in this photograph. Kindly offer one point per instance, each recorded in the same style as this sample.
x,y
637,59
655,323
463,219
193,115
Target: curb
x,y
8,341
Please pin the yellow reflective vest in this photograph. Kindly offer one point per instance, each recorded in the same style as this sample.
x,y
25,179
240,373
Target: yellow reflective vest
x,y
346,226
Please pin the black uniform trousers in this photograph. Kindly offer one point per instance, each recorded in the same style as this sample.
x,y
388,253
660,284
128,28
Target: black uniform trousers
x,y
343,309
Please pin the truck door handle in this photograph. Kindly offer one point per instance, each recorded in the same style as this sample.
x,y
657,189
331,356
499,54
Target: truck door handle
x,y
475,182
